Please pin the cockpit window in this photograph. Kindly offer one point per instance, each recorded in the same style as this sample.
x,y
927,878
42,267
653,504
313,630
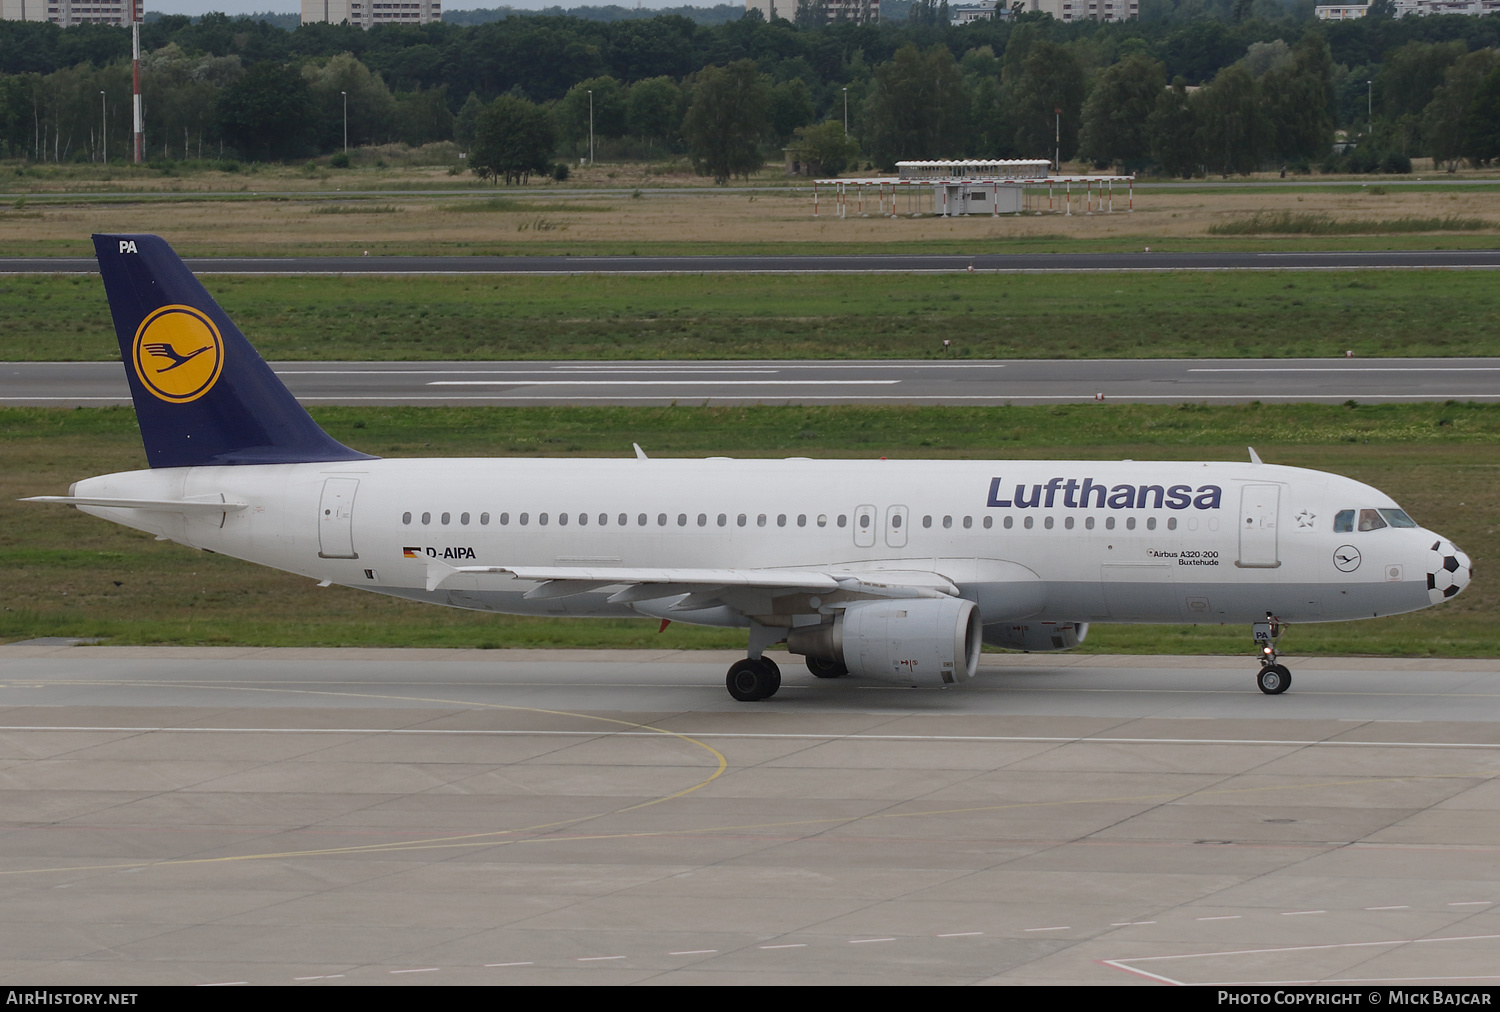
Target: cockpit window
x,y
1398,518
1344,522
1369,520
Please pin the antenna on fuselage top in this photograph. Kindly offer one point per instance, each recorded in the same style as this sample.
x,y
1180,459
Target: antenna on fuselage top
x,y
1254,457
640,454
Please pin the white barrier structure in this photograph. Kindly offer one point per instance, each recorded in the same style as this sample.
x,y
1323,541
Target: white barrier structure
x,y
974,186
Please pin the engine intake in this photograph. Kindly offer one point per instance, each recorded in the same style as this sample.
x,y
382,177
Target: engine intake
x,y
926,641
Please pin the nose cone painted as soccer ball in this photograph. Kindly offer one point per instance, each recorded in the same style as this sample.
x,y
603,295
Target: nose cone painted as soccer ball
x,y
1448,571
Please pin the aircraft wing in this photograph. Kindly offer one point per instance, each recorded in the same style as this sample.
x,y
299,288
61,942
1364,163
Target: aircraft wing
x,y
637,584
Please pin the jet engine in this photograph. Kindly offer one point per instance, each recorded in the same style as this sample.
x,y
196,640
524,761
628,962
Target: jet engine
x,y
1038,636
923,641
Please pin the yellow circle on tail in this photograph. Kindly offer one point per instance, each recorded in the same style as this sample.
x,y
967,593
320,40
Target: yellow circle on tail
x,y
178,353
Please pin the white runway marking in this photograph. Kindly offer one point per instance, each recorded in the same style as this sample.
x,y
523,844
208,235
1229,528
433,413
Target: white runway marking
x,y
666,383
789,945
693,952
862,941
961,934
1300,913
1398,906
526,963
597,959
1373,368
1059,927
1124,964
421,969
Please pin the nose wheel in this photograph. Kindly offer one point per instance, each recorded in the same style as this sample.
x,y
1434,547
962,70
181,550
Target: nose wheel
x,y
1274,678
753,679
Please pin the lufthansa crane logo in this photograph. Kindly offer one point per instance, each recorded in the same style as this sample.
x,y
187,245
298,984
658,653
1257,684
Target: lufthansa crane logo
x,y
178,353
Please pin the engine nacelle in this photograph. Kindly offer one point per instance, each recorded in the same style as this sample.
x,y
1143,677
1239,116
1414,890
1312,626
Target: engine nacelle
x,y
1036,636
924,641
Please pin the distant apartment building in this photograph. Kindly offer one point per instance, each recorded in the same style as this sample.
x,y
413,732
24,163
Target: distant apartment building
x,y
858,11
1085,10
366,14
72,12
1411,8
968,13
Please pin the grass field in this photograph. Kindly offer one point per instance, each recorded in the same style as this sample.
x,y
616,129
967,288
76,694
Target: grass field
x,y
1185,314
615,210
68,574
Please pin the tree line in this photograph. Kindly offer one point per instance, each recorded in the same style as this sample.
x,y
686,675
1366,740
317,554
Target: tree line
x,y
1181,92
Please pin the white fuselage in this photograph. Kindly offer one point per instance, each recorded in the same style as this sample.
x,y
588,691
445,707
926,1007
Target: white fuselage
x,y
1074,541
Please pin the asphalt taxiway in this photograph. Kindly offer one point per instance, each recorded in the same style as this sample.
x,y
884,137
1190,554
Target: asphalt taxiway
x,y
1174,381
360,817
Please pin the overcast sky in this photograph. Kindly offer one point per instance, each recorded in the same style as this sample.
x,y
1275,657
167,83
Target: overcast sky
x,y
295,6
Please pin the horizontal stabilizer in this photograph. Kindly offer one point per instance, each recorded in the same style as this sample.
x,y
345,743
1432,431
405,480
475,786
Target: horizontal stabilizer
x,y
191,507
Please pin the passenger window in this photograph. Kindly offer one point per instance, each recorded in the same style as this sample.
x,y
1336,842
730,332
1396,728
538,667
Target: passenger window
x,y
1029,522
562,519
1150,523
760,520
1047,523
1109,523
781,520
740,519
927,521
463,518
822,519
802,520
968,522
682,520
583,519
702,519
1088,523
1009,522
641,520
843,520
864,521
947,522
1068,523
426,518
624,519
1171,523
504,519
484,520
449,516
1369,520
1343,523
1130,523
661,520
723,519
896,521
525,518
406,518
541,518
989,522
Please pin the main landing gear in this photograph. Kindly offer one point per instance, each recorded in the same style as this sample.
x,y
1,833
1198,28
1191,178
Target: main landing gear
x,y
1273,678
753,678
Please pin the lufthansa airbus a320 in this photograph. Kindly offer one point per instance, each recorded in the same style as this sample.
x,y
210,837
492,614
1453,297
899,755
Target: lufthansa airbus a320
x,y
880,569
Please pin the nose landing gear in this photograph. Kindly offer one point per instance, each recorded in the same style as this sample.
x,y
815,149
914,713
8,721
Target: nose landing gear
x,y
1273,678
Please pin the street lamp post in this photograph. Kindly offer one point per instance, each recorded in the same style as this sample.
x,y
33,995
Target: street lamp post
x,y
103,130
846,112
1370,104
1057,157
591,128
346,121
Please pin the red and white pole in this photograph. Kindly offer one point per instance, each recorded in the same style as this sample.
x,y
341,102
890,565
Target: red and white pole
x,y
135,74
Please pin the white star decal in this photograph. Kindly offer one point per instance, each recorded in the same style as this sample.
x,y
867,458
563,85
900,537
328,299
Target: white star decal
x,y
1306,518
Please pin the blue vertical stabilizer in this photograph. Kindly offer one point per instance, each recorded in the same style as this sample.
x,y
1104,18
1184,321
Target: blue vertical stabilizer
x,y
202,394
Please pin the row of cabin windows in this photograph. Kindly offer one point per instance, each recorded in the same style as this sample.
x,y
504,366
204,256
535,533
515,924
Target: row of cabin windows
x,y
761,520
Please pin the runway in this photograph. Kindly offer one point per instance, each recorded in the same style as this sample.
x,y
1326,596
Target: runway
x,y
899,263
367,817
1171,381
